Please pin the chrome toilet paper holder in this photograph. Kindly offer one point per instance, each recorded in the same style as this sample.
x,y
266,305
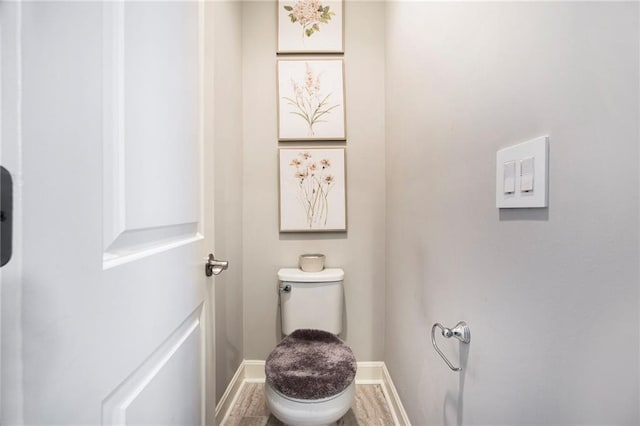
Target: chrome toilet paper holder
x,y
460,331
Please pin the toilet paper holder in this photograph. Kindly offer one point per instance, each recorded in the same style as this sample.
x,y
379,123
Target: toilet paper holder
x,y
460,331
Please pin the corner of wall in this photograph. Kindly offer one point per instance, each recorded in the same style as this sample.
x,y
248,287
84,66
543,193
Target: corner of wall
x,y
227,43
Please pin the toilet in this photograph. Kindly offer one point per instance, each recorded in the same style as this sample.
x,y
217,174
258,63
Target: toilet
x,y
310,374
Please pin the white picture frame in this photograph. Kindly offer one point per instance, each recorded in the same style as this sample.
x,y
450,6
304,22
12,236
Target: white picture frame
x,y
311,100
310,26
313,189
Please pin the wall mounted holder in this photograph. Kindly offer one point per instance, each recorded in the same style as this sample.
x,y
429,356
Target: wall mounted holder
x,y
460,331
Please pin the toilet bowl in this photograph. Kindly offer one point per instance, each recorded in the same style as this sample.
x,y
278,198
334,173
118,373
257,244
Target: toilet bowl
x,y
301,412
310,378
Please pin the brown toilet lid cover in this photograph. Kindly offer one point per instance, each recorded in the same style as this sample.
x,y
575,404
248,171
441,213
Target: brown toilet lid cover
x,y
310,364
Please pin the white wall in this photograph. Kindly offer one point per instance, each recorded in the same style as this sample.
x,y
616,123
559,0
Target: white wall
x,y
361,251
551,295
227,80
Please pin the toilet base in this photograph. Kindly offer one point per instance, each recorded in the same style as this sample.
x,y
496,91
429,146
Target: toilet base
x,y
326,424
300,412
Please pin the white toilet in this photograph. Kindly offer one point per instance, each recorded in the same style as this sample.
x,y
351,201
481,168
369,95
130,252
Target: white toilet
x,y
311,372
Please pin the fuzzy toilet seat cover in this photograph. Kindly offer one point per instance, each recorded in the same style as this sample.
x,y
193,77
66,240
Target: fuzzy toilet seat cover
x,y
310,364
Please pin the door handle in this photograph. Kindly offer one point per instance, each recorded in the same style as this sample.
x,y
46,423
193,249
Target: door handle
x,y
6,215
214,266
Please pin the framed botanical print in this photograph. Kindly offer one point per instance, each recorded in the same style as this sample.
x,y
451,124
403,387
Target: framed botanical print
x,y
310,26
313,190
311,100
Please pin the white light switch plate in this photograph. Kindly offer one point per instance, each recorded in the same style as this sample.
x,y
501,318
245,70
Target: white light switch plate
x,y
533,191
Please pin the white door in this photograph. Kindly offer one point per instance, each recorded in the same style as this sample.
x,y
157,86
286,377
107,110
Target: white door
x,y
103,119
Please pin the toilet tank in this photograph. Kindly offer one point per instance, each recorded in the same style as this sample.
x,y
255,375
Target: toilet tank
x,y
311,299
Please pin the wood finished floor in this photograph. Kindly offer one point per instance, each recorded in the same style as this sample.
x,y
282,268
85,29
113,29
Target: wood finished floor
x,y
369,408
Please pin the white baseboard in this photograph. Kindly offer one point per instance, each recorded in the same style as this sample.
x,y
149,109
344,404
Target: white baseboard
x,y
254,371
369,373
391,394
231,394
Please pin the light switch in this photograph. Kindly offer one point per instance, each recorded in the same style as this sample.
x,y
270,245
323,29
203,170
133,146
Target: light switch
x,y
526,174
522,175
509,177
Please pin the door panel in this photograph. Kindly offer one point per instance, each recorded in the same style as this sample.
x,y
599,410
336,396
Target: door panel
x,y
143,398
154,406
161,82
152,182
10,274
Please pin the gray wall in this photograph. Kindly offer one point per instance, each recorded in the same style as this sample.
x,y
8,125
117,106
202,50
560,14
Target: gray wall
x,y
551,295
227,79
361,251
